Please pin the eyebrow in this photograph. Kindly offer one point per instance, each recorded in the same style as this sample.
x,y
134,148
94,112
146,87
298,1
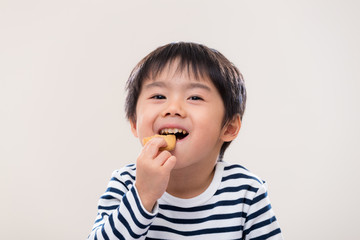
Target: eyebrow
x,y
199,85
188,86
155,84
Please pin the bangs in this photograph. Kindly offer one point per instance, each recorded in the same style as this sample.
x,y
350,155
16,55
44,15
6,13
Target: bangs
x,y
190,58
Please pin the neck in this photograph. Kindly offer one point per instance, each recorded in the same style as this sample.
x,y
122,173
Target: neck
x,y
188,183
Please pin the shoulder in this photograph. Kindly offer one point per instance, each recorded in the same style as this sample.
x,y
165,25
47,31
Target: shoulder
x,y
125,175
236,172
240,182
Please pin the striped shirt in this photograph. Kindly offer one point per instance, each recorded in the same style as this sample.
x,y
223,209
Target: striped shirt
x,y
234,206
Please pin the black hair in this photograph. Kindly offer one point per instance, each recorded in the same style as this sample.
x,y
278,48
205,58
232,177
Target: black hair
x,y
201,61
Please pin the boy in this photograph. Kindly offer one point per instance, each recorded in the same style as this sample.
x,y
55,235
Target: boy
x,y
193,92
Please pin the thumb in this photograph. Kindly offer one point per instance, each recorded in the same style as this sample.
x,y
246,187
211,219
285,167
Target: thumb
x,y
169,164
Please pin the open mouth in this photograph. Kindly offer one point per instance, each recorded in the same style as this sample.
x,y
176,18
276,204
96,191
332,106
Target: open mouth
x,y
179,133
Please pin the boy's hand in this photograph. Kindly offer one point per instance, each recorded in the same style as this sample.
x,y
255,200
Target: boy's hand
x,y
153,172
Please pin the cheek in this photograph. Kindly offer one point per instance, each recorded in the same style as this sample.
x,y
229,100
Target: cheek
x,y
209,121
145,121
214,115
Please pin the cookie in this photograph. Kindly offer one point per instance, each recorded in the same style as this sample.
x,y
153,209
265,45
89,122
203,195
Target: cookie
x,y
170,140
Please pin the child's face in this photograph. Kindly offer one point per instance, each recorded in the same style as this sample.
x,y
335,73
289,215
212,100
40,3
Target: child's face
x,y
178,101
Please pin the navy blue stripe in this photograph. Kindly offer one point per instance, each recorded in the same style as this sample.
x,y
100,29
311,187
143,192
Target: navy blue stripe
x,y
100,219
239,176
137,201
105,236
114,190
234,166
130,165
108,197
197,232
259,212
129,208
128,183
206,207
268,235
236,189
114,230
128,174
117,180
201,220
260,225
259,198
127,226
112,207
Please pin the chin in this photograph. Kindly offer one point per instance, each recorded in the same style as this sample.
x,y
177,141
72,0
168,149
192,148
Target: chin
x,y
179,164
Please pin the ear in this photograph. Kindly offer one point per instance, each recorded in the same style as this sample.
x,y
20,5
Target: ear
x,y
133,127
231,129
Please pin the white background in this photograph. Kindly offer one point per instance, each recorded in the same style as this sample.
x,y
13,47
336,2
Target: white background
x,y
63,66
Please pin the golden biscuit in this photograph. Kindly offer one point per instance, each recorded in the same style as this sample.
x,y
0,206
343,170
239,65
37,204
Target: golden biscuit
x,y
170,140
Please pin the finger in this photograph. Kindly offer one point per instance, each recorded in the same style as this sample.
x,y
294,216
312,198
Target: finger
x,y
153,146
162,157
169,164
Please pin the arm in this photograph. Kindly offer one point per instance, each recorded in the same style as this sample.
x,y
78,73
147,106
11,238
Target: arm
x,y
126,210
260,221
120,212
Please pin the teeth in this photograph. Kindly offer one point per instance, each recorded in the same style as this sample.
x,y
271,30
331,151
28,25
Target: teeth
x,y
172,130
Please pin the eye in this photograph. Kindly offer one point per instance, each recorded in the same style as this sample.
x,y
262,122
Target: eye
x,y
195,98
158,97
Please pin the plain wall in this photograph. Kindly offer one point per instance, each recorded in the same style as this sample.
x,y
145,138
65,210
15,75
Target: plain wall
x,y
63,66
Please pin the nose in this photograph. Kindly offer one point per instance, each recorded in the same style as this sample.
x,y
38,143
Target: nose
x,y
174,108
